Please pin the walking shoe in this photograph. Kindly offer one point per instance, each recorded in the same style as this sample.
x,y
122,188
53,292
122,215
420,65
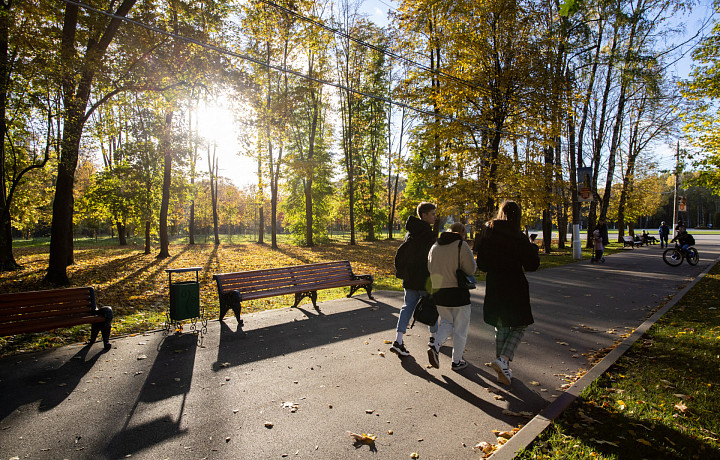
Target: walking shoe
x,y
503,371
462,364
434,357
399,348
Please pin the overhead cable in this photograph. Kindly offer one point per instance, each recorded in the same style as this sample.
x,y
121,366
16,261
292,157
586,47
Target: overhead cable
x,y
276,67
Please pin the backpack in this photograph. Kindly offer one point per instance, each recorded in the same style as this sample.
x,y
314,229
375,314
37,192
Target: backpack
x,y
689,239
402,258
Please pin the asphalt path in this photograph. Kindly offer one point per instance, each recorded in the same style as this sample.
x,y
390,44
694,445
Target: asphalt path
x,y
294,382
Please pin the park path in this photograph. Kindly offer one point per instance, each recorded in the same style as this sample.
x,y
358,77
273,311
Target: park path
x,y
294,382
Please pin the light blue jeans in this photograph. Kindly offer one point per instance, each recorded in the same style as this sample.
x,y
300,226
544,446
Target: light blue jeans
x,y
406,311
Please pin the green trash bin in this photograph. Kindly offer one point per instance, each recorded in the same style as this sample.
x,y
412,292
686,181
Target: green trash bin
x,y
184,300
184,295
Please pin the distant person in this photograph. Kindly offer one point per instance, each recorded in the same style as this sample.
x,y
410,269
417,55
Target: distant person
x,y
411,266
644,238
503,253
598,246
602,225
679,226
450,253
664,233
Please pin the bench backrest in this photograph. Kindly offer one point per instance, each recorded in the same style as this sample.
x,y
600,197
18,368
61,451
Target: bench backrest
x,y
295,276
23,307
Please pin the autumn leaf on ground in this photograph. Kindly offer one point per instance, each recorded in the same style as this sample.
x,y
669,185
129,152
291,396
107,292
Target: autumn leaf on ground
x,y
621,404
644,441
363,438
681,407
484,446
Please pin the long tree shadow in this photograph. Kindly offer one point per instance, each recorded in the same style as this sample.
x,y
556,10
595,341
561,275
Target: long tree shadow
x,y
51,387
170,377
317,330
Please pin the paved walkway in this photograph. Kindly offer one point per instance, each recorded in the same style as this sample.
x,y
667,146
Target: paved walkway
x,y
293,383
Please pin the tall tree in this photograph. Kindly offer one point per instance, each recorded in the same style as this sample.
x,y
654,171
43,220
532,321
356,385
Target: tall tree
x,y
78,70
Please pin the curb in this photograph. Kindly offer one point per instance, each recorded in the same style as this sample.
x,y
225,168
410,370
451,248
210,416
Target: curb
x,y
532,429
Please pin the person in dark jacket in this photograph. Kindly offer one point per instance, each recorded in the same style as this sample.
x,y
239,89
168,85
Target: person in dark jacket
x,y
602,225
411,266
664,233
503,252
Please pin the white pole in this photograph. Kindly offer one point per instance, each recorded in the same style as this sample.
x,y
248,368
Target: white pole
x,y
576,243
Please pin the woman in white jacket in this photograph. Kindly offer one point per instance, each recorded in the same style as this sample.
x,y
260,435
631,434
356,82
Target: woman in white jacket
x,y
453,303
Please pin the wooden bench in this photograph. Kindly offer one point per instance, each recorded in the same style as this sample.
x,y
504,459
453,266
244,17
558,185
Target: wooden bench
x,y
630,241
37,311
301,280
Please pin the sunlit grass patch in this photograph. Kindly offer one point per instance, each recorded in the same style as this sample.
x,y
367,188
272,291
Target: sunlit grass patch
x,y
660,400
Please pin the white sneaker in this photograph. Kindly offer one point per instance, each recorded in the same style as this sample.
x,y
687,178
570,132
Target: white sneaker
x,y
503,371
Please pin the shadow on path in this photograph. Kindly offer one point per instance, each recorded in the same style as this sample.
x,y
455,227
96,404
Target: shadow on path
x,y
25,384
170,376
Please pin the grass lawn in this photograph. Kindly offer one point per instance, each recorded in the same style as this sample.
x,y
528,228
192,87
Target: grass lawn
x,y
661,400
135,285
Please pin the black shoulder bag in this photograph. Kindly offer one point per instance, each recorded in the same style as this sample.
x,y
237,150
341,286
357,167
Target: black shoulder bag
x,y
464,281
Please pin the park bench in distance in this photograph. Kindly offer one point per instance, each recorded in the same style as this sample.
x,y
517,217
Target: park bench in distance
x,y
38,311
301,280
630,241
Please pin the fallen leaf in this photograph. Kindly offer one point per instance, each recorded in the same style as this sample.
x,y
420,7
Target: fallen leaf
x,y
681,407
141,357
269,424
387,341
414,455
534,383
644,441
363,438
484,446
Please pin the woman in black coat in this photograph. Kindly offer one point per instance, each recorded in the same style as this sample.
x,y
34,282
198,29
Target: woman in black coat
x,y
504,252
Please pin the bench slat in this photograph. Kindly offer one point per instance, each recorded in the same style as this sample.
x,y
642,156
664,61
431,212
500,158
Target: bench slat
x,y
46,325
19,299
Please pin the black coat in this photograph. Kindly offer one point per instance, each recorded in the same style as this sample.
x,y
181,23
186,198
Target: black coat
x,y
503,253
420,238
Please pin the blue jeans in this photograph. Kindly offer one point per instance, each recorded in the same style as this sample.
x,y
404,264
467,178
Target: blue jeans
x,y
406,311
663,241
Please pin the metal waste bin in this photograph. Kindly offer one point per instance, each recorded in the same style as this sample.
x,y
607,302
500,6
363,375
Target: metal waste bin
x,y
185,301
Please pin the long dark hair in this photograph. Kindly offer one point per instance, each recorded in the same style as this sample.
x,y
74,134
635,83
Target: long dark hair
x,y
510,211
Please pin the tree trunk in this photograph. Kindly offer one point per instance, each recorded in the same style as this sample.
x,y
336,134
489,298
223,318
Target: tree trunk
x,y
7,260
121,233
76,86
213,169
167,177
307,184
147,237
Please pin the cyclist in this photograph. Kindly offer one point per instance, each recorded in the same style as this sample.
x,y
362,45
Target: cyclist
x,y
684,240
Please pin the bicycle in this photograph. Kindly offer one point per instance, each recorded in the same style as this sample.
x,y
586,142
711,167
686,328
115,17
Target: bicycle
x,y
674,256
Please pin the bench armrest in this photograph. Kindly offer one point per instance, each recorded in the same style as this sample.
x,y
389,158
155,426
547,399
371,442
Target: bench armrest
x,y
364,277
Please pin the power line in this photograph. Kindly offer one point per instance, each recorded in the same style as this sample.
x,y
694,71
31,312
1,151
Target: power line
x,y
386,52
276,67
